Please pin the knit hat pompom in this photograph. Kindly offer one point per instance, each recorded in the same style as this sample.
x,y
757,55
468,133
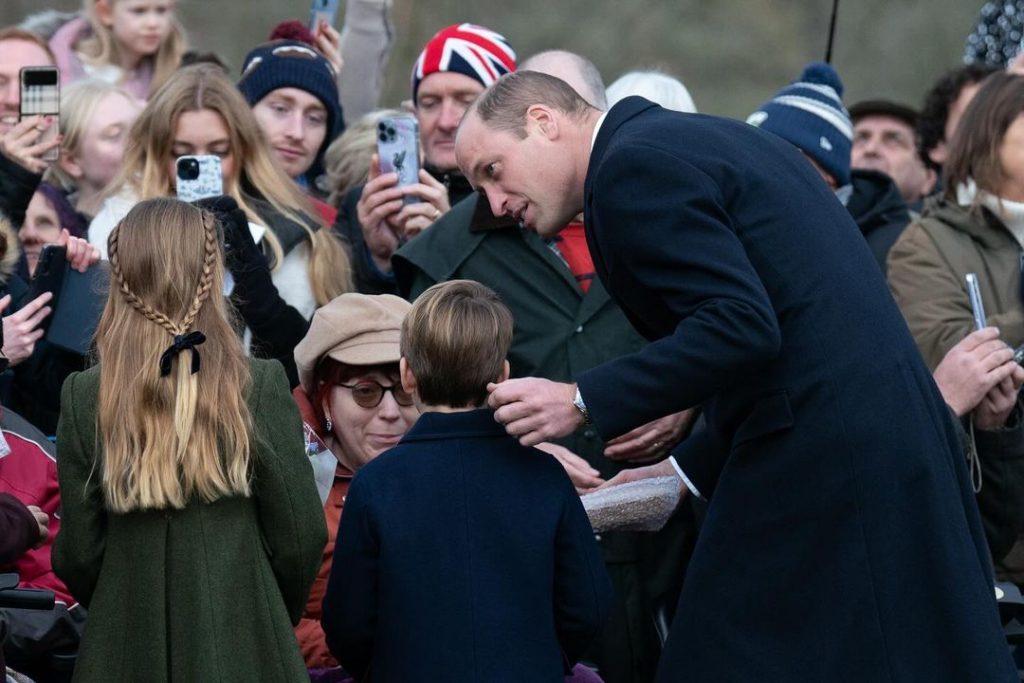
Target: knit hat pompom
x,y
468,49
809,114
292,30
822,74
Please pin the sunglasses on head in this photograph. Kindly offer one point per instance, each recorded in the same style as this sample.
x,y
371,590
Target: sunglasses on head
x,y
369,394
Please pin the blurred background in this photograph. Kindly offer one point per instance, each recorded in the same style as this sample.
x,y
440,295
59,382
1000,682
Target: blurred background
x,y
731,54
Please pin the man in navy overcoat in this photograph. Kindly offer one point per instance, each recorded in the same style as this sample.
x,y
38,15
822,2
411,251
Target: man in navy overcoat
x,y
842,541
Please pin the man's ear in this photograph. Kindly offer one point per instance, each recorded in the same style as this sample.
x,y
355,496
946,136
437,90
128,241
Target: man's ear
x,y
930,178
542,119
104,12
405,373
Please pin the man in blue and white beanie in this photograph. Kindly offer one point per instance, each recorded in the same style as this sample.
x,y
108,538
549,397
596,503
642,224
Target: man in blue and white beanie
x,y
809,114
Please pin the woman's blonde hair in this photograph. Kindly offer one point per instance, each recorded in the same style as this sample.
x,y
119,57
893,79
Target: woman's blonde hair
x,y
101,47
167,439
149,155
78,103
348,158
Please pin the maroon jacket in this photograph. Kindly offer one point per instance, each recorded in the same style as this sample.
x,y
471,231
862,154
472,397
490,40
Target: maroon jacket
x,y
29,473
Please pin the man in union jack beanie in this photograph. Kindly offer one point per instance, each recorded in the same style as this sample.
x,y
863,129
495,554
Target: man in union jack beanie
x,y
455,66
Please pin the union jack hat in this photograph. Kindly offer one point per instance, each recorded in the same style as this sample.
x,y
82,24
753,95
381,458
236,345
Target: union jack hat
x,y
468,49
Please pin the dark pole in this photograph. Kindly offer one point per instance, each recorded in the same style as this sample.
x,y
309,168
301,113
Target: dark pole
x,y
831,31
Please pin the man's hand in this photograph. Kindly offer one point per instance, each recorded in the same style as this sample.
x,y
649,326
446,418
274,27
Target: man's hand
x,y
21,328
43,520
21,143
651,441
415,218
584,477
998,403
80,254
972,368
535,410
661,469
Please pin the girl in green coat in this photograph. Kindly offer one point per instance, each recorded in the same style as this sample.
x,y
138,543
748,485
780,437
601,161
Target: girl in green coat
x,y
192,528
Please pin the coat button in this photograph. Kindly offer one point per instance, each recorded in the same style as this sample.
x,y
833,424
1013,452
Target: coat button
x,y
579,329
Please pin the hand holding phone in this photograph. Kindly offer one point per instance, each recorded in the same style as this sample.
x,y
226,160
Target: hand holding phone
x,y
322,11
40,96
198,177
398,148
977,306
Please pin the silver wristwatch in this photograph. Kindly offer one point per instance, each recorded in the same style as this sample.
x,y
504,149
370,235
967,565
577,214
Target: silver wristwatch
x,y
581,406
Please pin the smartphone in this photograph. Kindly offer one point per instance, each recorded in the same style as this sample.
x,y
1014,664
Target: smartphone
x,y
974,294
76,313
398,148
48,277
322,10
198,177
40,95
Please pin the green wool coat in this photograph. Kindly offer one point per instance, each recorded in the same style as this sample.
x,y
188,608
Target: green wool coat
x,y
206,593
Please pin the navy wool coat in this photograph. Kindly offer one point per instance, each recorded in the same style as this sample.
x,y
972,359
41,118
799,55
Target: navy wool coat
x,y
842,541
463,557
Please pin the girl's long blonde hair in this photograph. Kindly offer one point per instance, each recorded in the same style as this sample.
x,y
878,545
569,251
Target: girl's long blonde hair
x,y
101,47
149,155
166,440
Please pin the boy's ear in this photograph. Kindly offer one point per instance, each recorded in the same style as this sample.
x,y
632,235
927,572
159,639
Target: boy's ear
x,y
408,379
506,370
104,12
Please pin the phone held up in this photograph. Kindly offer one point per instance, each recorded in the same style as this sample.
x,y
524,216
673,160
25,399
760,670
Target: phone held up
x,y
398,148
322,11
198,177
40,96
978,311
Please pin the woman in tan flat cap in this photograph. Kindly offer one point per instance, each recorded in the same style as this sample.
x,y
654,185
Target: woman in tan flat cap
x,y
351,396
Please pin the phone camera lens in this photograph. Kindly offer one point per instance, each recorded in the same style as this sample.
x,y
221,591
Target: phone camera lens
x,y
383,137
188,169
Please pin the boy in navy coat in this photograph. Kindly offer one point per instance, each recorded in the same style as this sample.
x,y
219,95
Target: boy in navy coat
x,y
462,556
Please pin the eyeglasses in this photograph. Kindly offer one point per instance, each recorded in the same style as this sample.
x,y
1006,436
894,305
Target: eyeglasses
x,y
369,394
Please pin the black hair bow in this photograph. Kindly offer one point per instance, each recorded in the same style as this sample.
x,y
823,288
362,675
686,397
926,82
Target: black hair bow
x,y
182,342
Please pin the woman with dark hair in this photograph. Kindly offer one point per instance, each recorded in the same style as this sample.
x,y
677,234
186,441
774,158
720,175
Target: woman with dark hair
x,y
976,225
352,399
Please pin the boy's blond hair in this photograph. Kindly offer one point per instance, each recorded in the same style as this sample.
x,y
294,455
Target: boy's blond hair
x,y
455,340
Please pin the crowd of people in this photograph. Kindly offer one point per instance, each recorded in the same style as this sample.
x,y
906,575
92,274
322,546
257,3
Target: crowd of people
x,y
286,452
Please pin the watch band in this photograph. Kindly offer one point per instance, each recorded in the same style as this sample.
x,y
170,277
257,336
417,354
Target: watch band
x,y
582,407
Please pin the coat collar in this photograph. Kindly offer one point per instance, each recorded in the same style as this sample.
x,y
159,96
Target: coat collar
x,y
623,111
478,423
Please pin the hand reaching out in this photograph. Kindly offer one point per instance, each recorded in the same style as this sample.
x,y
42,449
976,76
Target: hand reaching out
x,y
653,440
584,477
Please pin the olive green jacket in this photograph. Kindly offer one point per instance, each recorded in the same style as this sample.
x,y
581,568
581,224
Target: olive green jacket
x,y
927,266
206,593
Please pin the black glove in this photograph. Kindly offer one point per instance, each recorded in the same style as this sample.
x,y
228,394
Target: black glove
x,y
277,327
240,251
